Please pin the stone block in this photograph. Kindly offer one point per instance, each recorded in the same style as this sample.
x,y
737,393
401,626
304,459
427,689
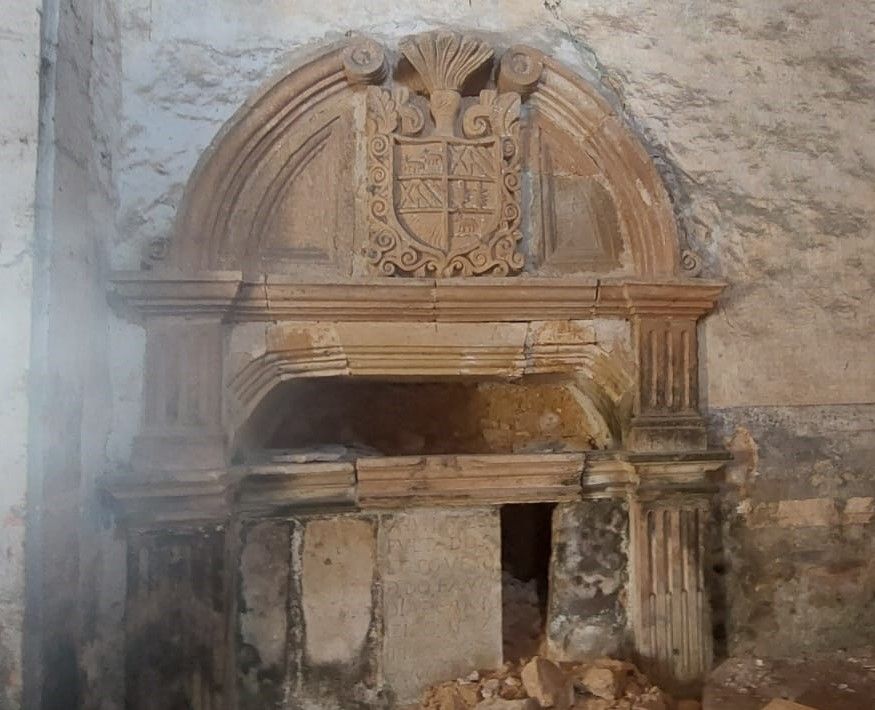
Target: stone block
x,y
586,618
441,577
337,578
545,682
781,704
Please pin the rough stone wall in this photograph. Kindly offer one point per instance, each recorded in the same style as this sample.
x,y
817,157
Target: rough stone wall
x,y
753,111
19,95
75,567
798,570
586,617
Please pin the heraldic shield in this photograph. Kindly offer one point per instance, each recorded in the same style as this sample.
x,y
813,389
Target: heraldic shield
x,y
443,204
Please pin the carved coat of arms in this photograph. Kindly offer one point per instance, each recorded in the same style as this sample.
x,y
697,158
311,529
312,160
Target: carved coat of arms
x,y
444,194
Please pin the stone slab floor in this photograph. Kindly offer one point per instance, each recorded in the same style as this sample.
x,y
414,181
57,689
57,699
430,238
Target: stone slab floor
x,y
843,681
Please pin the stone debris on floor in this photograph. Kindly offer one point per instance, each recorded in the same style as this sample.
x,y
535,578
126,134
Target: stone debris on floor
x,y
786,705
839,680
604,684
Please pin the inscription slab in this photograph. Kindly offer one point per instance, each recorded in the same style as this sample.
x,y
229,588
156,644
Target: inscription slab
x,y
441,574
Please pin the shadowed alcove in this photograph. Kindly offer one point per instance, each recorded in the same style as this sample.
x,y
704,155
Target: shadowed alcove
x,y
354,417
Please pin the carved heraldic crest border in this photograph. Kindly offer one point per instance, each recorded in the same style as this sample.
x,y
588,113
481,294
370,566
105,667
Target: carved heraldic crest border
x,y
444,195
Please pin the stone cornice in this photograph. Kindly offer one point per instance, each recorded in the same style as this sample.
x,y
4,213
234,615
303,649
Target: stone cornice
x,y
271,488
231,296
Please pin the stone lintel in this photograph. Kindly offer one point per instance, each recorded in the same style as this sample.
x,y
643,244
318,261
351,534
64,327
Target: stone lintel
x,y
268,297
395,482
270,488
184,496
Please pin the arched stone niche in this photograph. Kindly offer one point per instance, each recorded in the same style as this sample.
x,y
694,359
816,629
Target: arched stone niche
x,y
443,211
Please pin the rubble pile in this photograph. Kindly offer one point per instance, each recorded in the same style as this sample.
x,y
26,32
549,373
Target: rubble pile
x,y
604,684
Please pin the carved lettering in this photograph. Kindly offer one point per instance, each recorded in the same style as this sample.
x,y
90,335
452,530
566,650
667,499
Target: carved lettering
x,y
441,574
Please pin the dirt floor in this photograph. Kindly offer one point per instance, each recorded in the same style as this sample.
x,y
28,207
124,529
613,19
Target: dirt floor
x,y
839,681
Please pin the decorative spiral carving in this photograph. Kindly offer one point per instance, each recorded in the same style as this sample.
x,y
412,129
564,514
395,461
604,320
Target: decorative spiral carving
x,y
690,262
520,70
364,62
379,145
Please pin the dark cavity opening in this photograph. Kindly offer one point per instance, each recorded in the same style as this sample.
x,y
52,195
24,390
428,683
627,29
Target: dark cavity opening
x,y
526,543
385,418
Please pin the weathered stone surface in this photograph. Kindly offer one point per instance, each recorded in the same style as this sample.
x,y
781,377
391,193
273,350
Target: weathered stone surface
x,y
175,628
19,94
796,570
765,189
441,581
780,704
263,615
588,572
337,575
502,704
601,682
825,681
545,682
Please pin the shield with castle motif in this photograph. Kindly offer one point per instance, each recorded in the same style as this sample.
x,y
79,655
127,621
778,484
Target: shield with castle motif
x,y
444,195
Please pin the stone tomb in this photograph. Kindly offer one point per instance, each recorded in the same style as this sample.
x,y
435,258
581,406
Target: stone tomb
x,y
468,228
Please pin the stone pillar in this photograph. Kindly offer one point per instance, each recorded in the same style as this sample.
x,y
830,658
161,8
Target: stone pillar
x,y
175,510
182,420
668,602
666,405
586,616
669,605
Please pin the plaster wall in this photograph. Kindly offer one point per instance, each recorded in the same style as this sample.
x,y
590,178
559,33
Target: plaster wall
x,y
19,94
74,605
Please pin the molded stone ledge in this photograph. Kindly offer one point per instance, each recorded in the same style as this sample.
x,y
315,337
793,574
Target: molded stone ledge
x,y
271,487
396,482
169,500
522,298
667,433
180,498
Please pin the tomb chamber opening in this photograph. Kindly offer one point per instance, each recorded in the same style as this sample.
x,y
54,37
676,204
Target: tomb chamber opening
x,y
352,418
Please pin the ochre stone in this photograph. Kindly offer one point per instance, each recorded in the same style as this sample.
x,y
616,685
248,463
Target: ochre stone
x,y
547,683
780,704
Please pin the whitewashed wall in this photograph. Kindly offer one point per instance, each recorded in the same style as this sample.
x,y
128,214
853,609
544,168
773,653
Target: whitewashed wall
x,y
19,96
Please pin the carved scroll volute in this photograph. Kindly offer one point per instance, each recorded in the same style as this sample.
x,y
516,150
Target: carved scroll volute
x,y
364,62
520,70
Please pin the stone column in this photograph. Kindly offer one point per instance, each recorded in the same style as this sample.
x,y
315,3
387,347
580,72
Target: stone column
x,y
668,602
666,406
176,639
